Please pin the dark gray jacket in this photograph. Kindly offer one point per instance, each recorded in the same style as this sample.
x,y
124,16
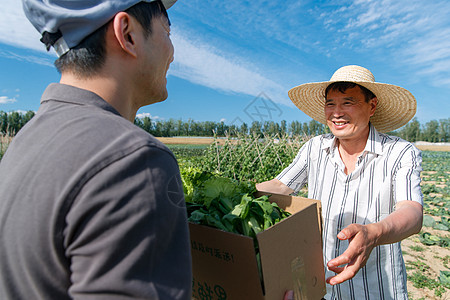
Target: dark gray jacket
x,y
91,207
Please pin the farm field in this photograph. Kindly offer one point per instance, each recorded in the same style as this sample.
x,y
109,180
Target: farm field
x,y
208,141
427,254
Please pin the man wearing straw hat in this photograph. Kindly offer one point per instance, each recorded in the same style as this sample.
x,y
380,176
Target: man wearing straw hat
x,y
368,182
91,206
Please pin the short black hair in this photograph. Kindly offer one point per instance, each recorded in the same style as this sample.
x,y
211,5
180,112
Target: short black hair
x,y
88,56
342,86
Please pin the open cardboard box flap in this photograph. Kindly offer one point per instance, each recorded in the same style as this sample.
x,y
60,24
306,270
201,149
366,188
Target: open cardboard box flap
x,y
225,265
293,241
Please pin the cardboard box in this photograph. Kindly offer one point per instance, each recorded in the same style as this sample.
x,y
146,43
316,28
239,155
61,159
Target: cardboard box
x,y
225,265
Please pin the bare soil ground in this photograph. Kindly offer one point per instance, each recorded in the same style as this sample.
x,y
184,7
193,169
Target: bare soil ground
x,y
428,260
433,259
188,140
434,147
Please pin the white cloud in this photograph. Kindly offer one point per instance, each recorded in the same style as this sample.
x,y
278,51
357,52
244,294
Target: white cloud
x,y
16,30
415,33
145,114
22,112
6,100
203,64
28,58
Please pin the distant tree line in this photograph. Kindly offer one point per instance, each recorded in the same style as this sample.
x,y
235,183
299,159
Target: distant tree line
x,y
433,131
173,127
11,123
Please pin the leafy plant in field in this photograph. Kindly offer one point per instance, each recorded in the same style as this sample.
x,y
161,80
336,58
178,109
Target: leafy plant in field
x,y
443,224
436,166
189,152
446,260
422,278
429,239
437,211
444,278
429,188
417,265
252,158
438,161
417,248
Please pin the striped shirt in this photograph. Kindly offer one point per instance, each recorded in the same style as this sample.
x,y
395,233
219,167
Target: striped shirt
x,y
388,171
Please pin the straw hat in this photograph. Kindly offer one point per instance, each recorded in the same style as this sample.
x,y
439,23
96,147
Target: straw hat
x,y
396,106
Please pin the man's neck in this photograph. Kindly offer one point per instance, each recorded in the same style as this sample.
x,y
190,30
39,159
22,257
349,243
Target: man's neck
x,y
354,145
350,150
108,89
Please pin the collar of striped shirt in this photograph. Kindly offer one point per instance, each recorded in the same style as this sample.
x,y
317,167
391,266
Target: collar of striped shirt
x,y
374,141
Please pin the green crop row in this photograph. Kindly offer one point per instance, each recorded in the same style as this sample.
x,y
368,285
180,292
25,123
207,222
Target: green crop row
x,y
438,161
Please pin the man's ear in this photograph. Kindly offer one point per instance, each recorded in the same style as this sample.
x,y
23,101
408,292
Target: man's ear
x,y
124,27
373,103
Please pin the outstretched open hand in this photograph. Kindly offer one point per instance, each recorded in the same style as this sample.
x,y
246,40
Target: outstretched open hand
x,y
361,243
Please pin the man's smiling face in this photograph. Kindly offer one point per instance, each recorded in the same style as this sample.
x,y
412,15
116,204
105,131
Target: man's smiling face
x,y
348,113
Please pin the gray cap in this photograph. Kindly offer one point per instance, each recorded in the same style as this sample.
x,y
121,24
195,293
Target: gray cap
x,y
64,24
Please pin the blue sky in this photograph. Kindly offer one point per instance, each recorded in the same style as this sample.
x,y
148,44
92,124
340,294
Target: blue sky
x,y
236,60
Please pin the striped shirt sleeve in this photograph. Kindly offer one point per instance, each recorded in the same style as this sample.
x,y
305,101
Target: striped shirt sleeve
x,y
407,176
296,174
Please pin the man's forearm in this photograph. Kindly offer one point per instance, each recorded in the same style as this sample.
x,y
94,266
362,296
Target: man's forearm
x,y
274,186
405,221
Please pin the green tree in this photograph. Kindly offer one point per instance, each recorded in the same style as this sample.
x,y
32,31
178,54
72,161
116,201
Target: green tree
x,y
14,123
243,129
283,127
305,129
186,128
430,132
295,128
158,129
27,117
147,124
411,131
3,122
255,129
444,130
316,128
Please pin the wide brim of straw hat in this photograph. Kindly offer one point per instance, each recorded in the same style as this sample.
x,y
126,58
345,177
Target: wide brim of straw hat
x,y
396,105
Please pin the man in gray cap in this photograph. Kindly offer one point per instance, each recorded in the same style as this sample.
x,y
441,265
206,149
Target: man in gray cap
x,y
91,206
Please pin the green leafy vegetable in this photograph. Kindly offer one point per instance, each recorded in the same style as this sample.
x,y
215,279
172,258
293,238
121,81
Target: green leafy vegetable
x,y
227,204
444,278
427,238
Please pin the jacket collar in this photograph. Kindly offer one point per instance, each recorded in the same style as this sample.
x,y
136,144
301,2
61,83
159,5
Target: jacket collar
x,y
69,94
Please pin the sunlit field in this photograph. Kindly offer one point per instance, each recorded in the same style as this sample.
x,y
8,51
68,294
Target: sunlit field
x,y
426,254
